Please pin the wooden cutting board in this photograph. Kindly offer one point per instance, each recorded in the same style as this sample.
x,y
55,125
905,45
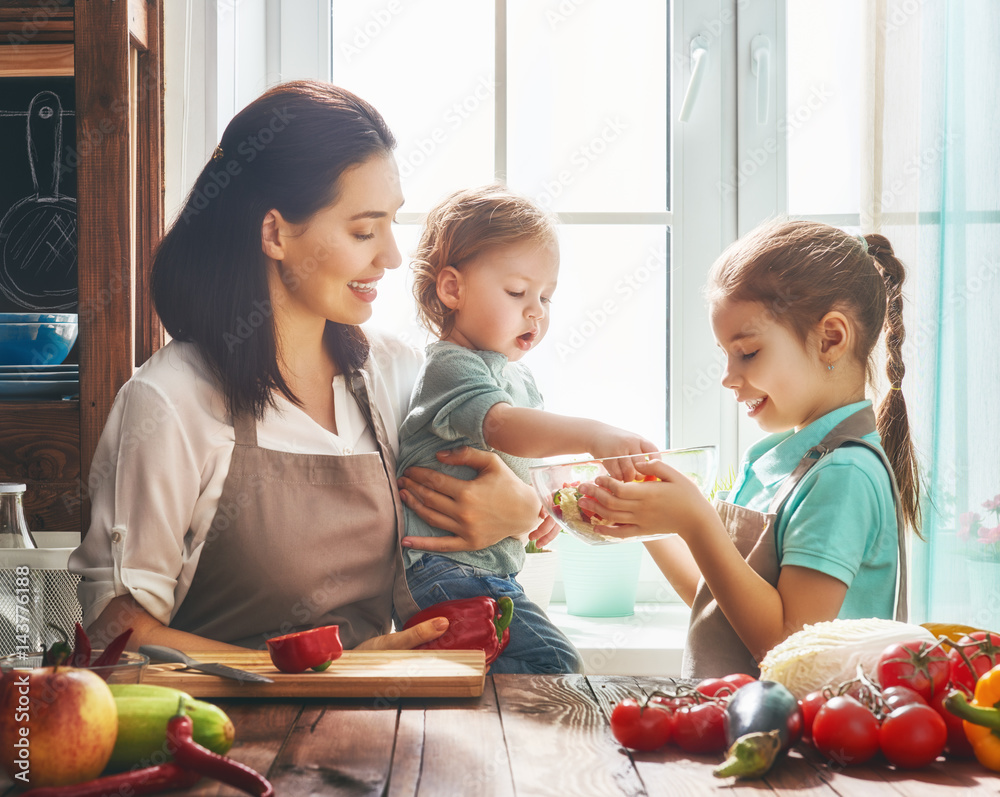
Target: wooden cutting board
x,y
388,674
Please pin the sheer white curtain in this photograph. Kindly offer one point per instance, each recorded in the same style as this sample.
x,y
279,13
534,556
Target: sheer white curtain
x,y
931,159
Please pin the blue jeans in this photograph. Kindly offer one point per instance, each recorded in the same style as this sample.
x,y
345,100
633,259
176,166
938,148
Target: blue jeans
x,y
536,645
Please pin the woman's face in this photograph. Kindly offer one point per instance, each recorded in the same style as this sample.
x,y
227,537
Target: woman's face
x,y
330,265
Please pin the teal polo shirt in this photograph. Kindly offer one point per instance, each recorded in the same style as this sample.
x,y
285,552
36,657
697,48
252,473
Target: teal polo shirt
x,y
839,520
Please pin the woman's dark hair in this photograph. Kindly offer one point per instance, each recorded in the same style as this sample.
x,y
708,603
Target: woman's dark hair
x,y
801,270
286,151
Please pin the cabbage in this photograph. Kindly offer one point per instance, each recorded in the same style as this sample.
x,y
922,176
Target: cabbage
x,y
827,654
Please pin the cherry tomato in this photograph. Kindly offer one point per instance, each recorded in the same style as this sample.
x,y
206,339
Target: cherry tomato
x,y
983,651
845,731
673,703
641,727
738,679
958,744
912,736
899,696
701,728
710,687
809,705
921,666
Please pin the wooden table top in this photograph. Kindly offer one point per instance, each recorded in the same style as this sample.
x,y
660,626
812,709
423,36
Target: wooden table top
x,y
526,735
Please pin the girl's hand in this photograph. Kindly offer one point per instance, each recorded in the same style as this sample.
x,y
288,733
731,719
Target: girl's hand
x,y
494,505
673,505
609,441
426,631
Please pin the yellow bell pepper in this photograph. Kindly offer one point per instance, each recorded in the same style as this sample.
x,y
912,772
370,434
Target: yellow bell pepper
x,y
981,718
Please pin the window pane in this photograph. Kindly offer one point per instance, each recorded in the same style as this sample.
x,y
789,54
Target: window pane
x,y
395,310
822,117
605,355
404,58
587,104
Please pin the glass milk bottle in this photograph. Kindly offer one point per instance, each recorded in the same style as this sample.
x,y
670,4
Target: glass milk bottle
x,y
22,624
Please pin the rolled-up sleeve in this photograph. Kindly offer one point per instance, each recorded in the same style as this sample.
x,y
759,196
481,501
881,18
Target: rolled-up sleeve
x,y
144,484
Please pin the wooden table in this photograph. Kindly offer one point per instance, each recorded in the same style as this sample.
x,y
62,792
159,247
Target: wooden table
x,y
526,735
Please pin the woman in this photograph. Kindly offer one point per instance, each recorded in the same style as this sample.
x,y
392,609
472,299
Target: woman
x,y
243,486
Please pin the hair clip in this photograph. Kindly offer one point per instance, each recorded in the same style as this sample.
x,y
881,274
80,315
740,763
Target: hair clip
x,y
217,155
864,241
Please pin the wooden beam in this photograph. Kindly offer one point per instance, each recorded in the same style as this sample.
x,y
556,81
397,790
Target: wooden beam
x,y
36,60
104,208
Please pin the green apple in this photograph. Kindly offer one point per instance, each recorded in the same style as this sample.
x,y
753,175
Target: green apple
x,y
58,725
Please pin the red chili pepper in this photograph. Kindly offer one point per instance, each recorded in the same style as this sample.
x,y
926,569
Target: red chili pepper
x,y
312,649
191,755
479,623
113,651
151,780
81,649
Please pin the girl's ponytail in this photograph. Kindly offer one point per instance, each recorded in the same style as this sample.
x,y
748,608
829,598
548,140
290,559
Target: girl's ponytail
x,y
891,419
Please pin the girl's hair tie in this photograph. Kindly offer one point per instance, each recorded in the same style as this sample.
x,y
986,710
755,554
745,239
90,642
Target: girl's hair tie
x,y
864,241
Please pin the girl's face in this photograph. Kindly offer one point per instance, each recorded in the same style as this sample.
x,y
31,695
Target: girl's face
x,y
783,383
501,298
330,265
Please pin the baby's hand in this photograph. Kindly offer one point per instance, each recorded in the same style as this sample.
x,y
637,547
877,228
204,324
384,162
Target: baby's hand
x,y
609,441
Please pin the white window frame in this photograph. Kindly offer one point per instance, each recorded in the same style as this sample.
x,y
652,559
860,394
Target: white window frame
x,y
220,54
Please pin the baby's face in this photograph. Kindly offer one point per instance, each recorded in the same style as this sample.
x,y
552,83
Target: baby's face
x,y
504,298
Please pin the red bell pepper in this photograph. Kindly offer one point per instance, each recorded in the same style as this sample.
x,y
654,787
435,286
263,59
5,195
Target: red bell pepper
x,y
479,623
303,650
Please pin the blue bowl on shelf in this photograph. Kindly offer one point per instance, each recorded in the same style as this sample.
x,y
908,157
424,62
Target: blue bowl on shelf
x,y
37,338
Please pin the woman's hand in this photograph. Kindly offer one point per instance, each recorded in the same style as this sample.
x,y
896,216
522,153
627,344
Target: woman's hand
x,y
672,505
482,511
427,631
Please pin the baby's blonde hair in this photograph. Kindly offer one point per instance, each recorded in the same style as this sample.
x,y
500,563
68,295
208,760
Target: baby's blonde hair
x,y
463,226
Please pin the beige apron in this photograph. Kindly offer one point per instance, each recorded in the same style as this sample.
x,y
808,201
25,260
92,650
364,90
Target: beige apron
x,y
713,648
302,540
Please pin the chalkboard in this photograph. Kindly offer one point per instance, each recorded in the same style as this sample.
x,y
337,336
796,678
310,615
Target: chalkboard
x,y
38,159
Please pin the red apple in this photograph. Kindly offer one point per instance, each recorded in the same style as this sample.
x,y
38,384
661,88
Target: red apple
x,y
58,725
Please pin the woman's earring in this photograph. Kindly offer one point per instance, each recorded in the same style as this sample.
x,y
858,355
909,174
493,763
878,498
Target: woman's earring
x,y
829,367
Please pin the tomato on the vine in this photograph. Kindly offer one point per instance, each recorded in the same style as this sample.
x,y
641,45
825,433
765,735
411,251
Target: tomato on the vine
x,y
899,696
809,706
845,731
641,727
701,728
921,666
982,649
912,736
958,744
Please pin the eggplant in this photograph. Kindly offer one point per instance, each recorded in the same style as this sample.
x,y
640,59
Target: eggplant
x,y
763,719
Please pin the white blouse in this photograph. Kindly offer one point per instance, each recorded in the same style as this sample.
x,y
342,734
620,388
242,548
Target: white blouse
x,y
159,467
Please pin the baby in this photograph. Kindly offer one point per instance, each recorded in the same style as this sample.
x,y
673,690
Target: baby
x,y
485,271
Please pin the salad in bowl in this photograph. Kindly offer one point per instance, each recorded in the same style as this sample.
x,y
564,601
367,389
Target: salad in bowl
x,y
558,486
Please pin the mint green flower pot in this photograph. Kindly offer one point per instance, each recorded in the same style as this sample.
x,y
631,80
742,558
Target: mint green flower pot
x,y
599,580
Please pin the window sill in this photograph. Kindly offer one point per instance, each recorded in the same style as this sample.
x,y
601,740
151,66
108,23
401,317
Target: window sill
x,y
649,642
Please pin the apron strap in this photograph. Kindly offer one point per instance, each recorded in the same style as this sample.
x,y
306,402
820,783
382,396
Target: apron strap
x,y
849,432
245,428
359,384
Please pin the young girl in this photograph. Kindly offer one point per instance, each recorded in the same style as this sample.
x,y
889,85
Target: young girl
x,y
485,271
813,529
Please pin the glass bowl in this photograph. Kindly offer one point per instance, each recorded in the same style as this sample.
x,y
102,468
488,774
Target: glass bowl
x,y
128,670
554,482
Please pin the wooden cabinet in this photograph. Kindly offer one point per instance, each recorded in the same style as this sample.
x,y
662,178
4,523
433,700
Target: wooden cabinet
x,y
113,50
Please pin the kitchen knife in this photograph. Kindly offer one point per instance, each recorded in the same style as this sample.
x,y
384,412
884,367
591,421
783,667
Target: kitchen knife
x,y
163,653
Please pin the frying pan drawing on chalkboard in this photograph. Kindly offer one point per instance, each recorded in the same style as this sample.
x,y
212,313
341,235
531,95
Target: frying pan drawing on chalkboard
x,y
38,233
